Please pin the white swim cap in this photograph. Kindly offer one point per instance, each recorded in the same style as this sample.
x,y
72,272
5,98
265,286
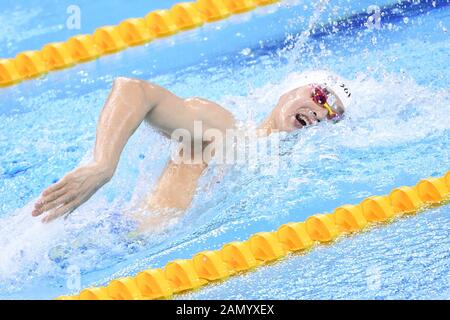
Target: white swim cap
x,y
330,79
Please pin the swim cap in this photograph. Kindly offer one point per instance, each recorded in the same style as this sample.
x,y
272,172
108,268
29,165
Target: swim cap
x,y
330,79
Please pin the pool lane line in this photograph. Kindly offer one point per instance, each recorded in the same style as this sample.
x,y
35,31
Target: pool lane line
x,y
110,39
182,275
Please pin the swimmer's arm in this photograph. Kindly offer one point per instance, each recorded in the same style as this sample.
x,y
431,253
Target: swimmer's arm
x,y
127,106
172,195
176,186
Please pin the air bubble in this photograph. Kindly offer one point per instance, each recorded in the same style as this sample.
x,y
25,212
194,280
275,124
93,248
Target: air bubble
x,y
246,51
374,40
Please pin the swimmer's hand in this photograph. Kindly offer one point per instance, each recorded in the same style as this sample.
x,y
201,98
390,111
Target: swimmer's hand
x,y
74,189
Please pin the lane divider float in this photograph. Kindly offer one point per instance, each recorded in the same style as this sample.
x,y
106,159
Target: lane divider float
x,y
110,39
264,247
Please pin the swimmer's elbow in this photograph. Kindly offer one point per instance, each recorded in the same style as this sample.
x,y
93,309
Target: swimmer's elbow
x,y
130,86
137,92
124,82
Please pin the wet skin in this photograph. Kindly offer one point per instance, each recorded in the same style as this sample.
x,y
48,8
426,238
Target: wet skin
x,y
132,102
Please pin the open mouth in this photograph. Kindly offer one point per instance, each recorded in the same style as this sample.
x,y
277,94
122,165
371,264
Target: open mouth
x,y
301,119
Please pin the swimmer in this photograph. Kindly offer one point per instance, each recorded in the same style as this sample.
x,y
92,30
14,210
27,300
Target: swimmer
x,y
133,101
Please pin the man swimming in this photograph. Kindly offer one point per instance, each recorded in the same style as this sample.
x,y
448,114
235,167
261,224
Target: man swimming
x,y
132,102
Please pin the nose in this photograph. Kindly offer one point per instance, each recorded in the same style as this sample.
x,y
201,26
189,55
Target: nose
x,y
317,112
320,113
315,116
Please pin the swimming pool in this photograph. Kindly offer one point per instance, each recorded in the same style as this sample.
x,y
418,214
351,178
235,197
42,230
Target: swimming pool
x,y
397,133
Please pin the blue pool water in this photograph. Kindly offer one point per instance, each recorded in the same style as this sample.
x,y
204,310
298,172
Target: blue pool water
x,y
397,131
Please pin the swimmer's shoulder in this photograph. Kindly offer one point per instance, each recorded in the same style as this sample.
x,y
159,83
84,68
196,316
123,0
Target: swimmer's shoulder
x,y
211,112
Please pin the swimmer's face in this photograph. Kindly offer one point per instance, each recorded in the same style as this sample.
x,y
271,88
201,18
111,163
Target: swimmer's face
x,y
296,109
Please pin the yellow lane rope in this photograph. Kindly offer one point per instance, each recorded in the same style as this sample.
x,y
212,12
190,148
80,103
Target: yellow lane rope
x,y
110,39
208,266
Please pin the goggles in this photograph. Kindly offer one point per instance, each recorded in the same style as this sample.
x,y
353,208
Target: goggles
x,y
324,97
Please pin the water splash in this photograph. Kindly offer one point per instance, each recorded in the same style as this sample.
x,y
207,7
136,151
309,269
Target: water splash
x,y
394,122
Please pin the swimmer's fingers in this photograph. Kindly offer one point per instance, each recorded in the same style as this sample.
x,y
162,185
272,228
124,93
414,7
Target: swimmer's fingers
x,y
56,200
48,195
55,187
40,205
73,201
67,208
